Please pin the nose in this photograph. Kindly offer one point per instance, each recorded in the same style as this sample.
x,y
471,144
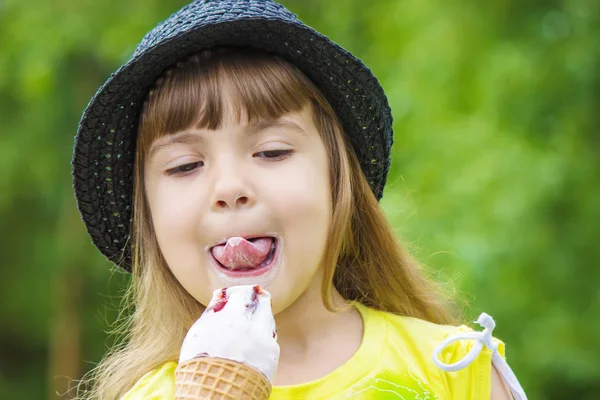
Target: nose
x,y
231,189
236,201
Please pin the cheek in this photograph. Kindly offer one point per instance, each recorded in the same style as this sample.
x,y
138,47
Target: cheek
x,y
171,207
303,203
306,205
173,214
166,206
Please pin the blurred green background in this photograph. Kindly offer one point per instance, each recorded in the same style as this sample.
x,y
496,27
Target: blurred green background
x,y
495,176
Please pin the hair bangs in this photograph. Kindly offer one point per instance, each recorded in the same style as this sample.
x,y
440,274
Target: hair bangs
x,y
204,90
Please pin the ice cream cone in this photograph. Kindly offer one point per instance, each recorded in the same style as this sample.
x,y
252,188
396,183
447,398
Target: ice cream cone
x,y
219,379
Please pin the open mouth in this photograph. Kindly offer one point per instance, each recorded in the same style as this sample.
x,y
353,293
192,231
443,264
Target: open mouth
x,y
251,256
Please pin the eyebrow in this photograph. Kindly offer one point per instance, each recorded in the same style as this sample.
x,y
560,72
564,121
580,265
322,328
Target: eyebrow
x,y
188,137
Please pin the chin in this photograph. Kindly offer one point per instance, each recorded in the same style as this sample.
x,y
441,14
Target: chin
x,y
284,297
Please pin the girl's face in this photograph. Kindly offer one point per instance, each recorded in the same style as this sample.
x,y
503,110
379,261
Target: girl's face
x,y
269,179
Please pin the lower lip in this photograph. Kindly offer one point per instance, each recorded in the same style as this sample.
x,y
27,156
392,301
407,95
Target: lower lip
x,y
249,273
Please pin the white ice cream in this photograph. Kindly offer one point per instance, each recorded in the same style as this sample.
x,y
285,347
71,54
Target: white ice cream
x,y
238,325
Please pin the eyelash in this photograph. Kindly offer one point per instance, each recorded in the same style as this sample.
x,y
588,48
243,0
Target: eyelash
x,y
281,154
188,168
183,169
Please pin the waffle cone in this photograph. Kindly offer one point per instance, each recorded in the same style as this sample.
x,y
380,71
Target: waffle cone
x,y
219,379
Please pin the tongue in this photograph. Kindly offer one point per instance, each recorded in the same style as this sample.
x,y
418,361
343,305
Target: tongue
x,y
239,253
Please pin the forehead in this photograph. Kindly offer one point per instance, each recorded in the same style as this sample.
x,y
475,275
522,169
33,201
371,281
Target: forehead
x,y
296,124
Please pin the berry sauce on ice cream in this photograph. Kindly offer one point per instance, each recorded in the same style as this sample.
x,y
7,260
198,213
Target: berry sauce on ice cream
x,y
220,304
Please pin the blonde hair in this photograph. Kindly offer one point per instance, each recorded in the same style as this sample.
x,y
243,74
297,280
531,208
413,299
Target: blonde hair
x,y
365,262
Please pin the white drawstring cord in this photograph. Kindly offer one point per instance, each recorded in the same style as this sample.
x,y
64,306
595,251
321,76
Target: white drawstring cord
x,y
481,338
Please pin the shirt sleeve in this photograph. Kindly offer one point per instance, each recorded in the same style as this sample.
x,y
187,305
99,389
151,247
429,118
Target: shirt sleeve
x,y
158,384
474,381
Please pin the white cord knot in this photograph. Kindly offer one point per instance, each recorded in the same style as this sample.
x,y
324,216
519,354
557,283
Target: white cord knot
x,y
486,321
483,338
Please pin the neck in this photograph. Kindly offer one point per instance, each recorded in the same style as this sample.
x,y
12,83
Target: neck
x,y
306,327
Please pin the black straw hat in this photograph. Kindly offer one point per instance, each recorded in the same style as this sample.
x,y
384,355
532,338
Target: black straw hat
x,y
105,143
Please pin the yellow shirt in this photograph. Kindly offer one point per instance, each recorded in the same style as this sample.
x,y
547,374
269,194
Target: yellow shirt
x,y
394,361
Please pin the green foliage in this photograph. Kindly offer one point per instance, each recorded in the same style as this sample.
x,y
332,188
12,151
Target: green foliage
x,y
495,174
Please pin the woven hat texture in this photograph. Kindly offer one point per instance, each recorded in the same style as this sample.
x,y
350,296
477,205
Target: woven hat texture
x,y
105,143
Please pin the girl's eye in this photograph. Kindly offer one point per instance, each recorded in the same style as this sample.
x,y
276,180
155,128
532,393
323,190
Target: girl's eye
x,y
274,155
183,169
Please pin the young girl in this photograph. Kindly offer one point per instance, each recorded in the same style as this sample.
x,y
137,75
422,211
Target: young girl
x,y
234,119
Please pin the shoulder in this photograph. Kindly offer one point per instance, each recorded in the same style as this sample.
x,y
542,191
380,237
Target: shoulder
x,y
500,390
418,341
428,336
420,334
155,384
